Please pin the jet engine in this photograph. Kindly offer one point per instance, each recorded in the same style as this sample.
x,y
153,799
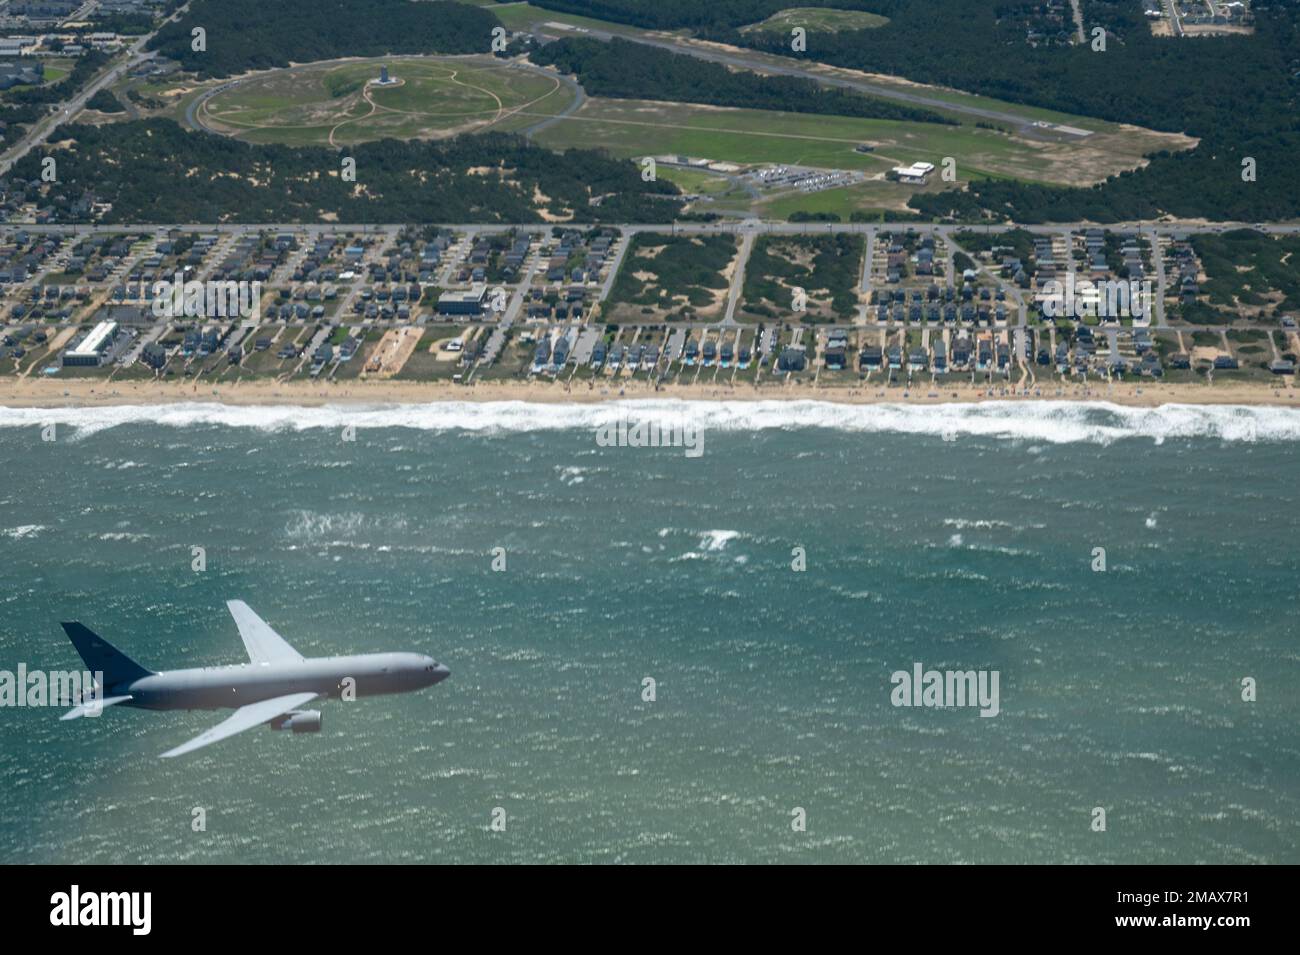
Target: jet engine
x,y
300,721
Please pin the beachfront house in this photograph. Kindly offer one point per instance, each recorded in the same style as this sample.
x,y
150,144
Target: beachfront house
x,y
793,358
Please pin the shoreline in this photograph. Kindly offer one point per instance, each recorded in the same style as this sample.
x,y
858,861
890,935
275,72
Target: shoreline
x,y
90,393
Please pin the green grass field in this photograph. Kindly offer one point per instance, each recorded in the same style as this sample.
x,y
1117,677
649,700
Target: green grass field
x,y
56,70
640,127
693,180
340,103
524,16
817,19
873,199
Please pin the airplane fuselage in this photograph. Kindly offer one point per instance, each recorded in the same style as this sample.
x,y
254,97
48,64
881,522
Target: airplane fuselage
x,y
223,687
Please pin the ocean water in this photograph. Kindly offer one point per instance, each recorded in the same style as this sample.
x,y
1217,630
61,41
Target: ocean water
x,y
954,537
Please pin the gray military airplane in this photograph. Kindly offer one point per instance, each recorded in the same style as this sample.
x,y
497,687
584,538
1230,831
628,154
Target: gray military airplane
x,y
269,689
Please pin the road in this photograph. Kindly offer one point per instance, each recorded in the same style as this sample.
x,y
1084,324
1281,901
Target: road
x,y
868,257
1078,21
738,277
1171,11
515,309
579,98
1158,260
620,252
1163,228
192,110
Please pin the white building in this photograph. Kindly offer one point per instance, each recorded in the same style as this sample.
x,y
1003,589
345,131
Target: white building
x,y
93,347
915,173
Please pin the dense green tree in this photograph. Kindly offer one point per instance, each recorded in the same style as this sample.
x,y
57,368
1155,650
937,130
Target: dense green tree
x,y
1239,95
623,69
155,171
246,35
105,102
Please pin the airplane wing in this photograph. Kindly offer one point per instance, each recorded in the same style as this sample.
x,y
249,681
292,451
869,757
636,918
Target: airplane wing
x,y
89,707
246,717
263,644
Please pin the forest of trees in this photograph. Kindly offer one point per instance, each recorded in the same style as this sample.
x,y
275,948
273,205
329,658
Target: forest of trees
x,y
1240,95
257,35
17,118
623,69
105,102
155,171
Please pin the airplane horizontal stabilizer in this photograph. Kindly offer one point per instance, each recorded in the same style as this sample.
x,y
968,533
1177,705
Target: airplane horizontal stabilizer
x,y
90,707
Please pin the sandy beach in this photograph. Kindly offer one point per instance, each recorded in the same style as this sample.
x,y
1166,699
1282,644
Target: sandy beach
x,y
46,392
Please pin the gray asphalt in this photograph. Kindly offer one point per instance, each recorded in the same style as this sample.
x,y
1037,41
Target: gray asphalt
x,y
1166,227
579,97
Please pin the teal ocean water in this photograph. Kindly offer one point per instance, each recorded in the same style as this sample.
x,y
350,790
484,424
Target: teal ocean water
x,y
958,538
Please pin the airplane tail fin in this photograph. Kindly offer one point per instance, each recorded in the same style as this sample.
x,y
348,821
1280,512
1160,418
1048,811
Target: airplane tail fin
x,y
101,656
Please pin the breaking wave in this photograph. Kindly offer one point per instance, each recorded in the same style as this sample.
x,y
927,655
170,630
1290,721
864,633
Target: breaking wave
x,y
717,540
1055,422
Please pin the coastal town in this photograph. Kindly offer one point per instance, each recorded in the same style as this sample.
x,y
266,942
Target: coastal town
x,y
788,259
901,310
